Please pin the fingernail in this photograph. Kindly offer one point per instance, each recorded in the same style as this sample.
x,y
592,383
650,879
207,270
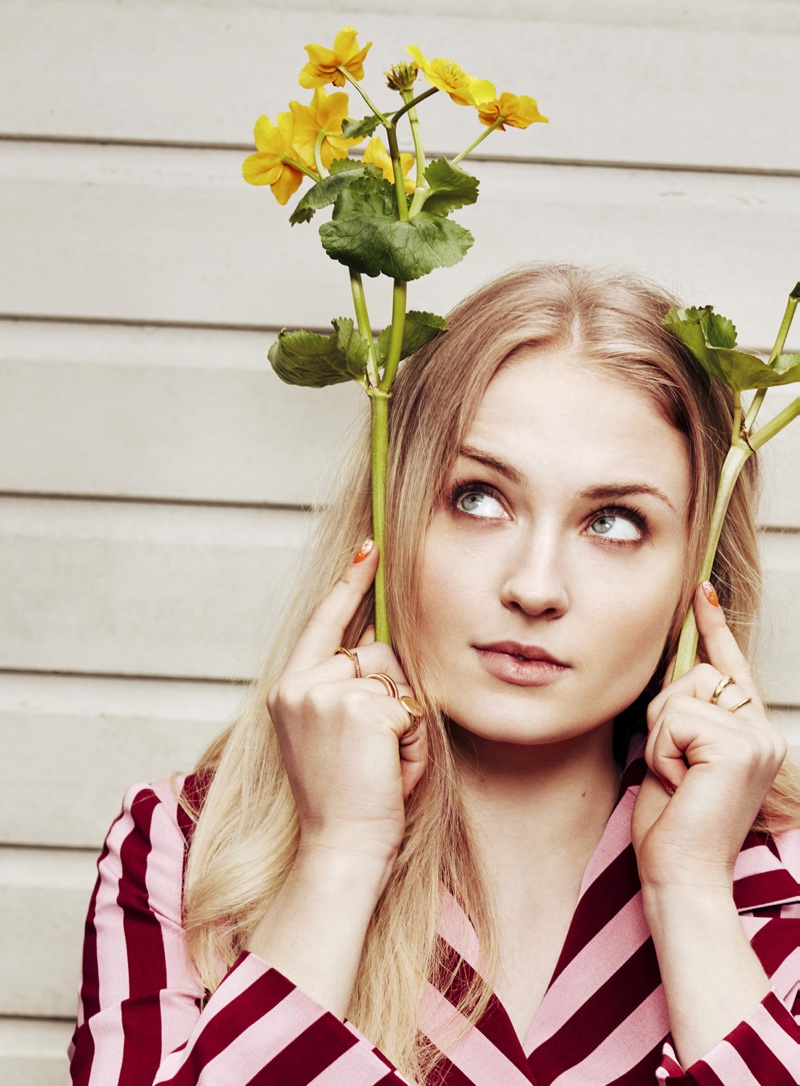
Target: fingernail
x,y
364,550
710,593
665,785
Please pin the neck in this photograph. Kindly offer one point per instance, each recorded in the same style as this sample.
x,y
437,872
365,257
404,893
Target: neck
x,y
547,802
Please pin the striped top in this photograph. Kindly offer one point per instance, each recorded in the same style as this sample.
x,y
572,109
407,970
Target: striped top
x,y
602,1022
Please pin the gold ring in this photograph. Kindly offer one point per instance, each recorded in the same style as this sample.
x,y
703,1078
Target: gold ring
x,y
414,711
351,655
740,704
726,680
392,688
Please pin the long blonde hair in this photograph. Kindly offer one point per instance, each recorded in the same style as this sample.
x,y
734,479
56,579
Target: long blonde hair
x,y
246,837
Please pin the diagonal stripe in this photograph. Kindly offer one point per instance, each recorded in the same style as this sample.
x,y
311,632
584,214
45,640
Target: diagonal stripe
x,y
474,1055
599,960
622,1048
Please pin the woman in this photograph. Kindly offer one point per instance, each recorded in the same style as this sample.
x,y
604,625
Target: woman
x,y
497,892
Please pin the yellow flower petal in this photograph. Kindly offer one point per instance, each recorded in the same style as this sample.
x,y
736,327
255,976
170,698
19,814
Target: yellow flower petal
x,y
376,154
324,65
269,166
288,183
324,114
261,169
451,78
516,111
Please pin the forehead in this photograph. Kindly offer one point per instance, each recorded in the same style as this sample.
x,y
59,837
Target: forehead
x,y
557,415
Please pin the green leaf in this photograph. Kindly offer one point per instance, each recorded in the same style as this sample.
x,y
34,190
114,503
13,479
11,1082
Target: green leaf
x,y
365,127
324,192
711,339
419,328
450,187
340,165
366,235
306,358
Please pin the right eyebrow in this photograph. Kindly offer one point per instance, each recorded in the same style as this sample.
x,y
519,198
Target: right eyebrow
x,y
493,463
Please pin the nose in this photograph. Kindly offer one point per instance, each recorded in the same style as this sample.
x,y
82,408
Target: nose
x,y
534,580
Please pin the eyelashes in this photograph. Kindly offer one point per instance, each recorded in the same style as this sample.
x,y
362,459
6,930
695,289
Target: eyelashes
x,y
488,504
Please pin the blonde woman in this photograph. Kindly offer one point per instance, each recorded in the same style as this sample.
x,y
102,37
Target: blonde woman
x,y
509,851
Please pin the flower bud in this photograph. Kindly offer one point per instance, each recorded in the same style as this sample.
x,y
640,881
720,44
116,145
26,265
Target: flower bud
x,y
401,76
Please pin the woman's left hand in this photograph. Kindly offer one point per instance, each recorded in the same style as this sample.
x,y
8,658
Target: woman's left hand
x,y
719,763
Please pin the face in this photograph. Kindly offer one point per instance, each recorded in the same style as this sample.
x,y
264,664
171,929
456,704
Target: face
x,y
554,560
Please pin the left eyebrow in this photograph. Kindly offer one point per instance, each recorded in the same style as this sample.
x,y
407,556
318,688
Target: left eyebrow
x,y
609,491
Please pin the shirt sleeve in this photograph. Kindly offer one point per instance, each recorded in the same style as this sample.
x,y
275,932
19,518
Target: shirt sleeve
x,y
763,1050
142,1020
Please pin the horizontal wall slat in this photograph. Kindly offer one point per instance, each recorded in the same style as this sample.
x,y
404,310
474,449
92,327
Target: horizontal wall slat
x,y
147,234
44,894
106,587
77,743
187,414
33,1053
163,413
616,93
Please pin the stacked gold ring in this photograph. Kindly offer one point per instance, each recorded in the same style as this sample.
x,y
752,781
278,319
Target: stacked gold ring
x,y
413,709
723,684
351,655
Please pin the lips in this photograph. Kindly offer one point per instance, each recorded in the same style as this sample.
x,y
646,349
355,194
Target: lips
x,y
519,664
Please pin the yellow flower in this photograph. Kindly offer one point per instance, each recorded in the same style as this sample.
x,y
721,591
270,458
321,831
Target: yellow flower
x,y
276,163
324,64
453,80
518,112
376,154
324,114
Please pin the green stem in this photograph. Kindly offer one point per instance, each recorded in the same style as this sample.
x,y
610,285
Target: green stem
x,y
737,417
410,102
480,139
396,334
318,152
780,342
399,180
416,134
364,327
737,457
379,404
365,96
303,169
776,424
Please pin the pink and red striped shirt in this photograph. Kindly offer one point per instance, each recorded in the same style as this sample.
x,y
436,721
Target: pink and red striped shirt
x,y
143,1020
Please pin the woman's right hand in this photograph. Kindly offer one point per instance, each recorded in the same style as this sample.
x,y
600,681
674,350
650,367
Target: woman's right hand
x,y
350,755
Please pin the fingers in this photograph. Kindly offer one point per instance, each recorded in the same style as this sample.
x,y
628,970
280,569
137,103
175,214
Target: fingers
x,y
721,648
323,634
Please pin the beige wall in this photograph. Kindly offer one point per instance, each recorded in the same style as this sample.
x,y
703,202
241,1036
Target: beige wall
x,y
155,473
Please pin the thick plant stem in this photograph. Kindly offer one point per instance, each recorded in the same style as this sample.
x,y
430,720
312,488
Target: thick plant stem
x,y
411,102
776,424
364,327
399,179
737,457
416,135
379,405
780,342
396,336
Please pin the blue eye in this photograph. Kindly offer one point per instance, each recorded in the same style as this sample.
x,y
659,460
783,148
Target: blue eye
x,y
477,502
618,528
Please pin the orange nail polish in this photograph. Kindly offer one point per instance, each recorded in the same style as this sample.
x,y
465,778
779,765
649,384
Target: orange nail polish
x,y
364,550
710,593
